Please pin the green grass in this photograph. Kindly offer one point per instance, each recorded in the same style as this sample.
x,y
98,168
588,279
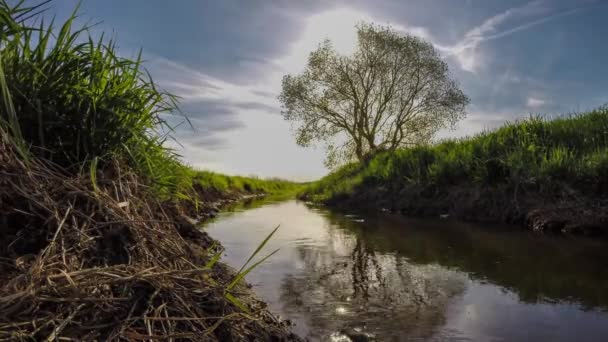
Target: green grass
x,y
220,182
537,155
74,100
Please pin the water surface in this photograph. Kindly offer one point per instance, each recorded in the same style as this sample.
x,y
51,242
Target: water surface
x,y
401,279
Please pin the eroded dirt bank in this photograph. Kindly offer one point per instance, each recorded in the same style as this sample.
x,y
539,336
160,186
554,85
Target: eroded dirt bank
x,y
108,261
567,214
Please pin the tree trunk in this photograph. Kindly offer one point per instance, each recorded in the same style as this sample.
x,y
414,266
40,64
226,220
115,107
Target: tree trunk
x,y
359,150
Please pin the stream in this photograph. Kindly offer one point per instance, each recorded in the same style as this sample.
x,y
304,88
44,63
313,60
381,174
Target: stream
x,y
386,277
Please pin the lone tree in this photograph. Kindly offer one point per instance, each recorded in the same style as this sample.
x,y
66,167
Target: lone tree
x,y
393,91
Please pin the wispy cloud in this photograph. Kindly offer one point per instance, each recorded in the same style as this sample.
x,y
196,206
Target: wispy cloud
x,y
466,51
193,86
212,105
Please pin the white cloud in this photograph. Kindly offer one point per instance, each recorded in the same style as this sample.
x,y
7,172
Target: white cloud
x,y
195,86
339,26
535,103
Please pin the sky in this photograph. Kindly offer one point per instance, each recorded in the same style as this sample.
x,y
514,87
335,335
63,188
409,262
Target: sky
x,y
226,59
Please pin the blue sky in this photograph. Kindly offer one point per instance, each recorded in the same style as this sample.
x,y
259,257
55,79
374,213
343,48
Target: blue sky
x,y
226,59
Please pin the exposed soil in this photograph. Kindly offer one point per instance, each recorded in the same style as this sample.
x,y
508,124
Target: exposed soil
x,y
111,262
560,213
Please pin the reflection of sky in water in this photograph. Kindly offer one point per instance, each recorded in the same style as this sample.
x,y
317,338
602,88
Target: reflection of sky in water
x,y
486,312
339,275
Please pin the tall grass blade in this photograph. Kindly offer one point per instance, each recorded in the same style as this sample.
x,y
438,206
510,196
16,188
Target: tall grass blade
x,y
259,248
242,274
93,173
246,270
232,299
213,260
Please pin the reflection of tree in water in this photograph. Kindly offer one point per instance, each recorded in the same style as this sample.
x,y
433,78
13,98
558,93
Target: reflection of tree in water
x,y
348,285
537,270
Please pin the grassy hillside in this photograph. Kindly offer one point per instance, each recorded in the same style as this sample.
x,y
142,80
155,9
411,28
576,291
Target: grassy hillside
x,y
501,175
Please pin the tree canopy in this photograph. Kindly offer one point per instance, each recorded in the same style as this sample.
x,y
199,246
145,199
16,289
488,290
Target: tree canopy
x,y
393,91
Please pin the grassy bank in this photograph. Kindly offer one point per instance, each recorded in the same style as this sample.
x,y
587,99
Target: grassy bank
x,y
75,101
94,244
223,183
546,174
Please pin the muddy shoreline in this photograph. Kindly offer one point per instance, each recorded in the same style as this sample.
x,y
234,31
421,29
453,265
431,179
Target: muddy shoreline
x,y
573,215
190,222
267,326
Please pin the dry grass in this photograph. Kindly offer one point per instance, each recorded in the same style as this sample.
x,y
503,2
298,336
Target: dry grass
x,y
108,262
